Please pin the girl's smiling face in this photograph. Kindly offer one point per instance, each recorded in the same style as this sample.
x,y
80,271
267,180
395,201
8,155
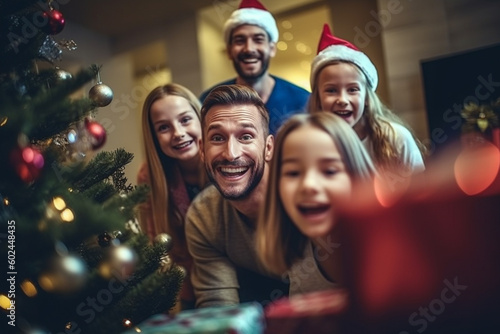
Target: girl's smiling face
x,y
313,180
342,91
177,127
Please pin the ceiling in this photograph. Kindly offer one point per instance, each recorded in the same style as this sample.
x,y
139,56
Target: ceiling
x,y
117,20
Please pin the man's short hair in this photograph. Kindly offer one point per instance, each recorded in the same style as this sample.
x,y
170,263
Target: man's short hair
x,y
235,95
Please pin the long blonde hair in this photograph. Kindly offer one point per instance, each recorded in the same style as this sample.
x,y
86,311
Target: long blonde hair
x,y
279,241
377,117
161,168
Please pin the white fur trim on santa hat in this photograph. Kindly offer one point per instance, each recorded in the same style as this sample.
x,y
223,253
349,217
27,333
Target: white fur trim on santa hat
x,y
253,16
344,53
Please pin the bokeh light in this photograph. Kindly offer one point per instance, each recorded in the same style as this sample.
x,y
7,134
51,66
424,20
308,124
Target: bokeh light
x,y
29,288
476,168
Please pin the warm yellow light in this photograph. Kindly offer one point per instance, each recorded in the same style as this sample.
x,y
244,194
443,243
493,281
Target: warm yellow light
x,y
67,215
46,283
303,48
59,203
286,24
4,302
305,65
6,201
287,36
282,46
29,288
3,121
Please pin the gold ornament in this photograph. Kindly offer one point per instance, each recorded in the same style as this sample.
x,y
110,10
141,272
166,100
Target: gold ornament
x,y
482,122
164,240
101,94
165,264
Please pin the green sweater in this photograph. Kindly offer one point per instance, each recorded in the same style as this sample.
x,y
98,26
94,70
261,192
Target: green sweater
x,y
225,265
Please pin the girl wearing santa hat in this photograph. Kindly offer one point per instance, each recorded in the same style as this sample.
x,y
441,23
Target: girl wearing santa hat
x,y
343,82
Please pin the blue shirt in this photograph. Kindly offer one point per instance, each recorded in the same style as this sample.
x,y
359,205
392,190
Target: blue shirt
x,y
285,100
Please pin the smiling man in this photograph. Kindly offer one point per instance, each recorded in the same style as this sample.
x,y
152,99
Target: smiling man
x,y
220,223
251,35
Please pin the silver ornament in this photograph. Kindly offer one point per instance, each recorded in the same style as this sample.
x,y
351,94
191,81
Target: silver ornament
x,y
165,240
101,94
119,262
65,274
62,75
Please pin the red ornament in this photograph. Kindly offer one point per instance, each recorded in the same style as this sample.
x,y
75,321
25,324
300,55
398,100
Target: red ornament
x,y
96,132
55,22
27,162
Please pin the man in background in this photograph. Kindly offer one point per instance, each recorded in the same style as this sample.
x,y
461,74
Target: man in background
x,y
251,35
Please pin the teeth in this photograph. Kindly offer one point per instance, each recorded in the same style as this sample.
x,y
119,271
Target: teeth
x,y
343,112
250,61
233,170
183,145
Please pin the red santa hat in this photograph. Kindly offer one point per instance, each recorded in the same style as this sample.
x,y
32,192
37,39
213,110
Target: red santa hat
x,y
331,48
254,13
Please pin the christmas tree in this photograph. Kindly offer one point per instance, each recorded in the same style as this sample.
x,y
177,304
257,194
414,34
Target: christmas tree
x,y
73,258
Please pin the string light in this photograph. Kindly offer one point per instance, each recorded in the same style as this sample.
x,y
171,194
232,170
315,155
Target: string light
x,y
4,302
29,288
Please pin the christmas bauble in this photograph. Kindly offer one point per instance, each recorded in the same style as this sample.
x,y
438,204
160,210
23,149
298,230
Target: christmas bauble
x,y
78,142
164,240
65,274
62,75
165,264
55,22
104,239
27,162
118,262
101,94
96,132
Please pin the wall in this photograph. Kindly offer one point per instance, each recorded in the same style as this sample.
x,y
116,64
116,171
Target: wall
x,y
120,118
426,29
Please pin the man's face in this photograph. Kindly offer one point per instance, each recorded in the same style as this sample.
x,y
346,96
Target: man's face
x,y
235,150
250,50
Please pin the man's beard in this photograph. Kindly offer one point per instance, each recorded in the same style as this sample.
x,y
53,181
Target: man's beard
x,y
253,182
253,77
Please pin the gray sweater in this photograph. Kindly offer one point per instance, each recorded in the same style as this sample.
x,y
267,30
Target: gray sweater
x,y
225,265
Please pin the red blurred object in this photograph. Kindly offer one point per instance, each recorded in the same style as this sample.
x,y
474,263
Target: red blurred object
x,y
315,312
27,163
55,22
427,263
495,137
97,133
